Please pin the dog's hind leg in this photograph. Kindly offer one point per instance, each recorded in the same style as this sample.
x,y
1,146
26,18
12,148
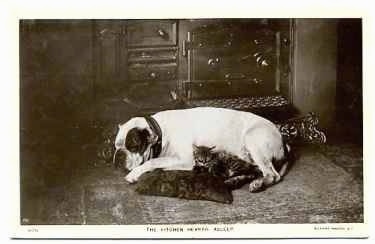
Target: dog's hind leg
x,y
270,175
284,169
264,145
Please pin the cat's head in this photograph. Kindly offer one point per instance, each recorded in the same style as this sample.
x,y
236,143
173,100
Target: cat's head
x,y
203,156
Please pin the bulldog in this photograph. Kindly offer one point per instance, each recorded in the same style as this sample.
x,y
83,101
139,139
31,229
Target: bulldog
x,y
164,141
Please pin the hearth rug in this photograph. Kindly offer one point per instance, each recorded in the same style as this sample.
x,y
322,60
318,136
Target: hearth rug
x,y
314,191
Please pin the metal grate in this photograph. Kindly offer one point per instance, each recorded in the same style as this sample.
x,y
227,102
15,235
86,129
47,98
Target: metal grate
x,y
242,102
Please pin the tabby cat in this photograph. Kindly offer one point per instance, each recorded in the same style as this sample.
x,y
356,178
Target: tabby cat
x,y
235,171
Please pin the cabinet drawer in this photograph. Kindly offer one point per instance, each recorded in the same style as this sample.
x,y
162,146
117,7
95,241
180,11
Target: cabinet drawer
x,y
150,72
164,55
151,33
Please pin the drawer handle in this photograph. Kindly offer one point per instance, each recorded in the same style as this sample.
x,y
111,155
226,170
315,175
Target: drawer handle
x,y
107,33
162,33
213,61
261,59
145,55
257,81
152,75
238,76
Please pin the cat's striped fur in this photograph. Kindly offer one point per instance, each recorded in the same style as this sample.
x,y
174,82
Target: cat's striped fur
x,y
235,171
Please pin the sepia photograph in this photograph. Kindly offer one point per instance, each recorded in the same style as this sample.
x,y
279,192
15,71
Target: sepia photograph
x,y
191,125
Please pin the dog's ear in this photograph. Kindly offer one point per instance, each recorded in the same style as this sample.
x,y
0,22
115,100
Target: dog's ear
x,y
152,138
136,139
145,134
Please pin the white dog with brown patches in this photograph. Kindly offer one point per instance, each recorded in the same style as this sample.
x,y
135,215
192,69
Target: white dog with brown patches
x,y
246,135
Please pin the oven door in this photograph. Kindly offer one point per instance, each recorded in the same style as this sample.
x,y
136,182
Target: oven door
x,y
237,58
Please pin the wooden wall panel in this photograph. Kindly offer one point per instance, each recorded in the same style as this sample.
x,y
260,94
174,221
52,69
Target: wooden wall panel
x,y
315,62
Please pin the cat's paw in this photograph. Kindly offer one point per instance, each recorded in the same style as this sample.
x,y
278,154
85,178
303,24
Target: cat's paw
x,y
199,169
196,168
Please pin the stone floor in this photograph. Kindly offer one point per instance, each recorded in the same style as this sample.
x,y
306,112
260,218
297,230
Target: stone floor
x,y
324,185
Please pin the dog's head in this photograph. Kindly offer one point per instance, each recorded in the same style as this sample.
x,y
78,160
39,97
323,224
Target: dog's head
x,y
135,139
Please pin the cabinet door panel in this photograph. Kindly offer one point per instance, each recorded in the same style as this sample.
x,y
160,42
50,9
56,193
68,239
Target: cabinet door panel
x,y
150,72
244,57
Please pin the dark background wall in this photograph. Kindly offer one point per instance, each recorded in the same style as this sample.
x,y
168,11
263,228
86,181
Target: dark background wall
x,y
56,64
328,74
349,105
56,95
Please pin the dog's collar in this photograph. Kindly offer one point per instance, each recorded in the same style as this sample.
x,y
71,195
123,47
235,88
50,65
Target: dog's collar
x,y
156,148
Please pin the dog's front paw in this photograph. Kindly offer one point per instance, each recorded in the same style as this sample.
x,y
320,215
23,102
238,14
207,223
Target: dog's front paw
x,y
133,176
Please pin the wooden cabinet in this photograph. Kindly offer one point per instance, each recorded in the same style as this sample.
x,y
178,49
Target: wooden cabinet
x,y
156,62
